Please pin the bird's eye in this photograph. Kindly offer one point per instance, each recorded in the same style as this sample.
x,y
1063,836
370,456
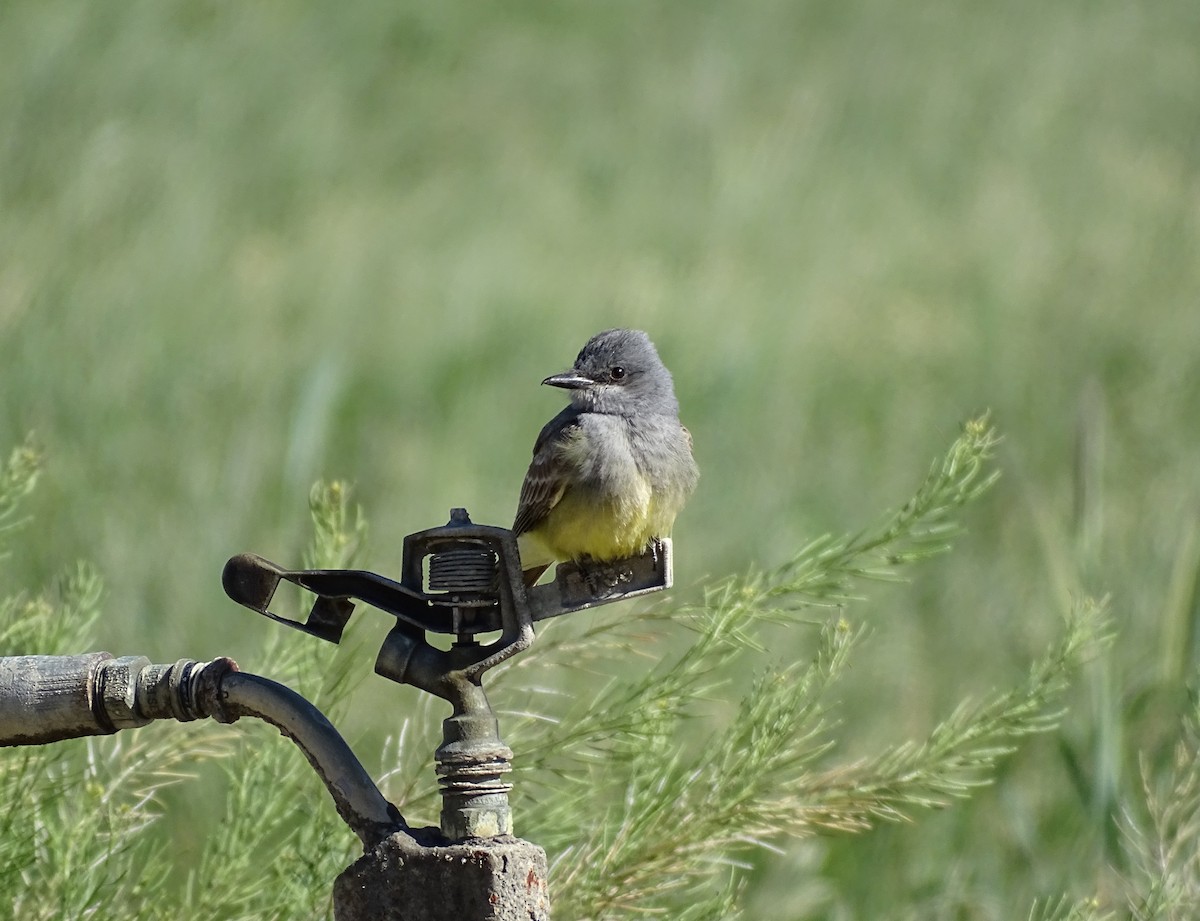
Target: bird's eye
x,y
617,373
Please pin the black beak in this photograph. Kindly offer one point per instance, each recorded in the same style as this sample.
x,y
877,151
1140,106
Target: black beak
x,y
569,380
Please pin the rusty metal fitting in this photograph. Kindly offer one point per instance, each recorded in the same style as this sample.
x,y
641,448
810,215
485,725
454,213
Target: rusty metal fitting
x,y
471,764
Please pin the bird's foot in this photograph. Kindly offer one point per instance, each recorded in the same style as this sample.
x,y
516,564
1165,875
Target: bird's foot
x,y
656,550
603,579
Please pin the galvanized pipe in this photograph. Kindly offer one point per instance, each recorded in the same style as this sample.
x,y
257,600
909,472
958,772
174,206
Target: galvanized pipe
x,y
50,698
47,698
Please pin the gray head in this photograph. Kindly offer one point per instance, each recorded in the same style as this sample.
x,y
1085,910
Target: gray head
x,y
619,372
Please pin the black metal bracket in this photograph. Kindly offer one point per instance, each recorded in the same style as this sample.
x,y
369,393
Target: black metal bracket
x,y
449,583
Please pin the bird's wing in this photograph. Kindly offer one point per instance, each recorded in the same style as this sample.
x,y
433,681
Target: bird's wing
x,y
546,479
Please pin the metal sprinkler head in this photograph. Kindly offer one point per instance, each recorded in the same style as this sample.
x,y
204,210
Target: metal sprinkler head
x,y
461,579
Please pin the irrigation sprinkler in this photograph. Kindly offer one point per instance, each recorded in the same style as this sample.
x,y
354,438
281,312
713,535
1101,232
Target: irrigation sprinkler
x,y
463,580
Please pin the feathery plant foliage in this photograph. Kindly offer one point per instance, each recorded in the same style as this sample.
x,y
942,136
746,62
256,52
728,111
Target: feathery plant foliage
x,y
640,820
1064,909
17,480
1166,846
73,836
1161,845
824,572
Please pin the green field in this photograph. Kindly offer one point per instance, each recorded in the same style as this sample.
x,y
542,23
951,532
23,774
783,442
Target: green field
x,y
244,246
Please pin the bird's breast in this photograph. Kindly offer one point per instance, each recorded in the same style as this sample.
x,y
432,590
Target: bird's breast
x,y
617,500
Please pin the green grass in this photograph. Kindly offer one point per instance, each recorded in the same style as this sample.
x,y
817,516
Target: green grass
x,y
243,246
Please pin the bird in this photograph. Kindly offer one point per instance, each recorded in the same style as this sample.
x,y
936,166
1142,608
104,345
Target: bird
x,y
612,470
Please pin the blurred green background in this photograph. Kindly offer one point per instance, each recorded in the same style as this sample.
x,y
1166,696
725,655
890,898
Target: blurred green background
x,y
243,246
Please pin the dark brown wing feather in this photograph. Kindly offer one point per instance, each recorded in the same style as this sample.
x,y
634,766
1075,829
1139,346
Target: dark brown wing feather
x,y
545,480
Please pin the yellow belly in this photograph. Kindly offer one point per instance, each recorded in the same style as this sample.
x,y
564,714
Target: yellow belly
x,y
577,527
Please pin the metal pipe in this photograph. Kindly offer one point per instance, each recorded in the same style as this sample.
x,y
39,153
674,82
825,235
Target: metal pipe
x,y
358,800
50,698
47,698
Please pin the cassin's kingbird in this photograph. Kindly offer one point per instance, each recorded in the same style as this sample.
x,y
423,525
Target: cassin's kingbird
x,y
612,470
